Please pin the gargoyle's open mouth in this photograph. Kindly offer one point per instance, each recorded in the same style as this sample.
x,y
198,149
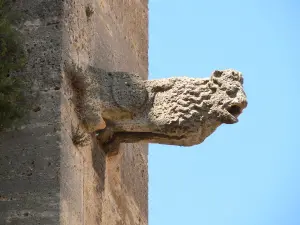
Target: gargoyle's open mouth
x,y
235,110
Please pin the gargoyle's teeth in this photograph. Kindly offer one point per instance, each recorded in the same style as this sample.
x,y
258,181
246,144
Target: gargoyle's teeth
x,y
235,110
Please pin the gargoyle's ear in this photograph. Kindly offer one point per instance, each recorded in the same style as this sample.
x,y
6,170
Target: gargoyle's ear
x,y
217,73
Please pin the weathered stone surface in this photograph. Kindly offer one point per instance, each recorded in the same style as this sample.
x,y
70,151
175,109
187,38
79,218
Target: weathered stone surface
x,y
113,37
178,111
45,178
30,156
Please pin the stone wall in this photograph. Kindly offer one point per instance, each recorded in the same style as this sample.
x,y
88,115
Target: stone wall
x,y
45,178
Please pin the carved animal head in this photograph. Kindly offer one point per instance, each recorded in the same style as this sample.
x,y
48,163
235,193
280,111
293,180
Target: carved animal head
x,y
190,109
228,97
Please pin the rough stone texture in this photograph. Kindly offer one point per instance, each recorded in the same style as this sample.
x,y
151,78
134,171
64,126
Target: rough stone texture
x,y
178,111
30,156
45,177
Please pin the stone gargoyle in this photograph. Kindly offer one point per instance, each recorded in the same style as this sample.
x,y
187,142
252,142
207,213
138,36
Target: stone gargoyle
x,y
123,108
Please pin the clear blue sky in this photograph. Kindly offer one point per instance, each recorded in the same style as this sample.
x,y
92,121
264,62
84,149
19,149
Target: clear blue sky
x,y
247,173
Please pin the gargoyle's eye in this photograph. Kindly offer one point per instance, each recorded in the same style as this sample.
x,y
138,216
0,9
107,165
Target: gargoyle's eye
x,y
231,92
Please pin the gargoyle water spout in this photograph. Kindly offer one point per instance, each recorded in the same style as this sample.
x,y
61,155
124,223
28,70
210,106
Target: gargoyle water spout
x,y
123,108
